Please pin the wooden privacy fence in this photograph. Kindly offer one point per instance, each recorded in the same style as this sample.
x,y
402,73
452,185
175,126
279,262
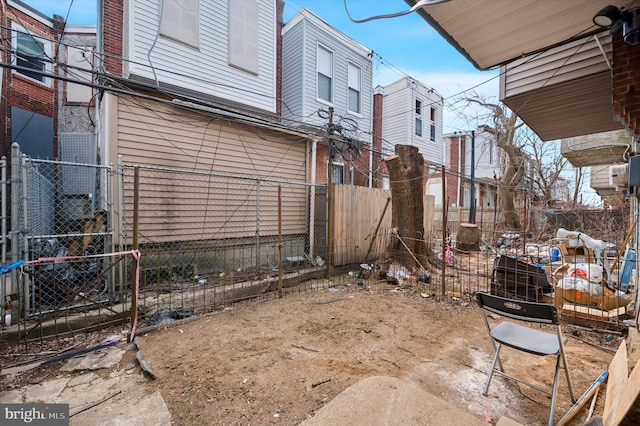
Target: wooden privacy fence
x,y
362,219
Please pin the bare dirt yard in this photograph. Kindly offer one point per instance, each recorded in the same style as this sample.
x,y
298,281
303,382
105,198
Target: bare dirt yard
x,y
279,361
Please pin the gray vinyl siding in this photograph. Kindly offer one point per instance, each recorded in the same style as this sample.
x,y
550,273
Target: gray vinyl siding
x,y
300,43
206,67
396,123
293,70
559,65
158,135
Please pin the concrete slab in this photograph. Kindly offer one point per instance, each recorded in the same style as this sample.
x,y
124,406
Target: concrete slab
x,y
386,401
126,409
103,358
116,400
11,397
46,392
19,369
84,378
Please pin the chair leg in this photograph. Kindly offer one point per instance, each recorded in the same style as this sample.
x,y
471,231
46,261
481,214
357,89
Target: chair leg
x,y
553,390
491,370
566,371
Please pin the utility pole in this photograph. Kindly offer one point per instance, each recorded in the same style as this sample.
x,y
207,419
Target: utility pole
x,y
472,207
330,200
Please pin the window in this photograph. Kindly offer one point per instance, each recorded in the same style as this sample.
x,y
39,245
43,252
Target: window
x,y
354,88
338,173
32,53
243,35
325,74
418,118
181,21
432,116
466,198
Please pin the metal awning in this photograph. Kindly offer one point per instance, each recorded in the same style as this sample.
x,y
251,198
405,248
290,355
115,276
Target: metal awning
x,y
493,33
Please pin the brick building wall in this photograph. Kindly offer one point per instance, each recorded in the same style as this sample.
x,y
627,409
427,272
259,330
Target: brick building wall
x,y
112,29
20,91
625,73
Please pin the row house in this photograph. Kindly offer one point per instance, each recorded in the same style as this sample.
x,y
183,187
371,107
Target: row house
x,y
412,114
46,114
199,90
28,91
221,86
327,86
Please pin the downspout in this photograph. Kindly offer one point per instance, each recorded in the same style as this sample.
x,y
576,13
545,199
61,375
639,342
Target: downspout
x,y
312,201
99,34
371,167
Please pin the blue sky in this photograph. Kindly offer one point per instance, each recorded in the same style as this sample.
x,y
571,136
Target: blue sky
x,y
404,45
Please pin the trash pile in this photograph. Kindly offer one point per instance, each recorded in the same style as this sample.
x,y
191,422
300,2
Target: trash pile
x,y
590,278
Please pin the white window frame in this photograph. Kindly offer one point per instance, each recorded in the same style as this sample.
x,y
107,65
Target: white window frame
x,y
181,21
319,70
466,198
432,129
46,46
244,35
418,129
335,167
354,86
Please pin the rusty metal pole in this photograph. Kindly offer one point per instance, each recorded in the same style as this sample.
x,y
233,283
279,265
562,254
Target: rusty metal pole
x,y
279,241
136,198
444,232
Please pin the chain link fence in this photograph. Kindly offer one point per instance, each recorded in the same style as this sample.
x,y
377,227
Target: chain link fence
x,y
210,239
206,240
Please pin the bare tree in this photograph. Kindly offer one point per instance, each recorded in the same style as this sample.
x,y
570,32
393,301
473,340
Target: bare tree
x,y
524,153
547,165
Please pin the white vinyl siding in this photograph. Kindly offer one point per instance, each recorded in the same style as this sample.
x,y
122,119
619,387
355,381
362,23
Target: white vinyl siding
x,y
243,35
325,74
205,70
180,21
487,165
355,88
32,52
399,117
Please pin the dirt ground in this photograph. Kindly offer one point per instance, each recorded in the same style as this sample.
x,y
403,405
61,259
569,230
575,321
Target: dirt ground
x,y
279,361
